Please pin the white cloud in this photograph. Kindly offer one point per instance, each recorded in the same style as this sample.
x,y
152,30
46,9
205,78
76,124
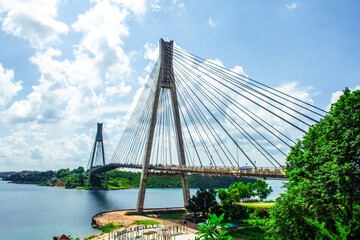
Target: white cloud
x,y
73,93
121,90
292,5
34,20
37,150
151,51
152,54
336,95
155,6
143,80
181,6
136,6
8,88
211,22
239,70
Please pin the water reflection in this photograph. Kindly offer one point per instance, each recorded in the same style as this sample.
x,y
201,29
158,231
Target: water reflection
x,y
33,212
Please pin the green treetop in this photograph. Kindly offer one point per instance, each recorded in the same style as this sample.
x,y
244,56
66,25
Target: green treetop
x,y
323,196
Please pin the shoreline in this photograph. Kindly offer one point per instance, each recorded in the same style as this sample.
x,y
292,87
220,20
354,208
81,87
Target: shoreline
x,y
62,185
121,217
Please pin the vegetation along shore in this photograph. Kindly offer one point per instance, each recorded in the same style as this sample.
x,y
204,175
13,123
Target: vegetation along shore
x,y
77,179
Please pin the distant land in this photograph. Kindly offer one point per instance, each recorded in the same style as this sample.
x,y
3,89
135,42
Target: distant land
x,y
77,179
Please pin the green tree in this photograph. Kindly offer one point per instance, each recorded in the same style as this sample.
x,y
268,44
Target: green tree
x,y
62,173
213,229
236,192
261,188
323,193
204,201
231,197
78,170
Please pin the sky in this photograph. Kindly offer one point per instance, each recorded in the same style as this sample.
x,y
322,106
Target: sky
x,y
66,65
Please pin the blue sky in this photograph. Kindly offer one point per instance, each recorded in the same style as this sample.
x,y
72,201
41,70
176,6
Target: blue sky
x,y
65,65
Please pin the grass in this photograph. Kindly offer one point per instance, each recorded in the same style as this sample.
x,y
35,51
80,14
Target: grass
x,y
91,237
259,204
109,227
172,216
116,188
145,222
252,233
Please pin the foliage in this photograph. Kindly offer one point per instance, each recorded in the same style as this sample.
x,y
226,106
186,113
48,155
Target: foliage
x,y
212,228
75,180
249,233
199,181
78,170
145,222
263,204
203,201
172,216
235,193
62,173
110,227
91,237
261,189
260,212
122,179
231,197
34,177
322,198
240,192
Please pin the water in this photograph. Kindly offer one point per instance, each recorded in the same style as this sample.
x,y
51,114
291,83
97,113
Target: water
x,y
34,212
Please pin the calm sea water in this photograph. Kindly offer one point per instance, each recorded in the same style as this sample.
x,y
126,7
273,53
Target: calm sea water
x,y
34,212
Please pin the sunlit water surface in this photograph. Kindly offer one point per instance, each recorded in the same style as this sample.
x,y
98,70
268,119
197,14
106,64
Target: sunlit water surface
x,y
34,212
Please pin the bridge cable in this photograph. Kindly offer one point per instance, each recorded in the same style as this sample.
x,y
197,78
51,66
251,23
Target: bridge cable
x,y
207,124
240,76
236,113
260,104
242,131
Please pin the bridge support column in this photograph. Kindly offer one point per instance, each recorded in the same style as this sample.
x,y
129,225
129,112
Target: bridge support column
x,y
165,79
98,142
149,142
185,188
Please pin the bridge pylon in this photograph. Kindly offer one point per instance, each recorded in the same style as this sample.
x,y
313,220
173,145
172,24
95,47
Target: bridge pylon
x,y
97,149
165,79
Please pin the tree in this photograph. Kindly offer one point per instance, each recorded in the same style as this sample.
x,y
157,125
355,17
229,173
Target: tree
x,y
231,197
323,193
78,170
62,173
236,192
204,201
261,188
211,229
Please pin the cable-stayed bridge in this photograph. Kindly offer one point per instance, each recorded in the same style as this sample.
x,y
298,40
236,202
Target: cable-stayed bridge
x,y
195,116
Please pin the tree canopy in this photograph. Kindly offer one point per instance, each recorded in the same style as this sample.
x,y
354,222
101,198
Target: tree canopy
x,y
323,192
239,191
203,201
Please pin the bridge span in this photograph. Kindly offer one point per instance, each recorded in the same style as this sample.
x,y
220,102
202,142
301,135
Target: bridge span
x,y
161,170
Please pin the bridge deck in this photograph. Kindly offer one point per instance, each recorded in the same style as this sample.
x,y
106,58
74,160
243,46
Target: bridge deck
x,y
221,171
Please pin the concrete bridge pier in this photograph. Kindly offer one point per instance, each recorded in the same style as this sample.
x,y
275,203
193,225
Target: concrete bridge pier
x,y
165,79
